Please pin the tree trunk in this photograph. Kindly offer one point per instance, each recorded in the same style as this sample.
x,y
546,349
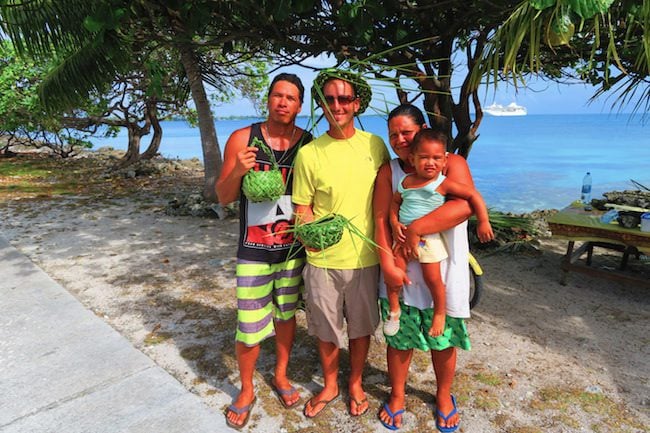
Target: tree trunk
x,y
212,161
132,154
154,145
467,129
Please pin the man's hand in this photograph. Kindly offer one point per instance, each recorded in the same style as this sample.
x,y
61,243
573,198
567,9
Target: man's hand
x,y
245,160
304,214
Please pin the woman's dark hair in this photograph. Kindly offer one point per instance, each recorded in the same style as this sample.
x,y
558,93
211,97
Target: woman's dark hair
x,y
408,110
291,78
427,134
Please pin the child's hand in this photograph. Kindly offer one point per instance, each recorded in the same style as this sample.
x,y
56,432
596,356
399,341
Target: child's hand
x,y
399,232
484,231
411,244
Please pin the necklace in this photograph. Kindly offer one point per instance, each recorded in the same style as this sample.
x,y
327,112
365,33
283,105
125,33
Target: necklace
x,y
284,152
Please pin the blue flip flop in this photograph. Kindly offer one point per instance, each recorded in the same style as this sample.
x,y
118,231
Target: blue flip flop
x,y
449,415
392,416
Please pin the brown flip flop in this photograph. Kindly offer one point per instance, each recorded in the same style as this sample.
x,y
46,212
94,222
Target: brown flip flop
x,y
313,404
358,403
281,393
239,410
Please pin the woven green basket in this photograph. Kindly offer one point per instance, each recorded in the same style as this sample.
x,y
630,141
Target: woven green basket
x,y
259,186
322,233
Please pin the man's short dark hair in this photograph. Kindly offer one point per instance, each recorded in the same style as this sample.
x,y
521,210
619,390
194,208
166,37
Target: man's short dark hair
x,y
291,78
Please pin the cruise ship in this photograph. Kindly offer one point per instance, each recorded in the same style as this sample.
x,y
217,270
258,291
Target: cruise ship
x,y
511,109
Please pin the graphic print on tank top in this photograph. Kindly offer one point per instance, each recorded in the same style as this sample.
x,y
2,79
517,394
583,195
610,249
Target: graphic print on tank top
x,y
264,224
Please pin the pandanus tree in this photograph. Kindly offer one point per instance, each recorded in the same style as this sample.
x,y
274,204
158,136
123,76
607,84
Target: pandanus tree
x,y
603,42
422,45
94,42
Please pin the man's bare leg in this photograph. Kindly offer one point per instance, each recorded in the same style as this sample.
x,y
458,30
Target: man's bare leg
x,y
246,360
329,359
358,356
285,332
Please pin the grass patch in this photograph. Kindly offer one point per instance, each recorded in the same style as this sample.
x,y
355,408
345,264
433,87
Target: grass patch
x,y
484,399
562,399
192,353
211,368
25,167
487,378
31,175
524,429
154,338
198,381
613,416
463,386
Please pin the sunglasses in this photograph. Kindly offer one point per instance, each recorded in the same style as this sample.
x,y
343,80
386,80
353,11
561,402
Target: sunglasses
x,y
342,99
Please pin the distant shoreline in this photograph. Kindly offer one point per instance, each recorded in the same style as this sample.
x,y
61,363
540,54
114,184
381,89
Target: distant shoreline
x,y
385,115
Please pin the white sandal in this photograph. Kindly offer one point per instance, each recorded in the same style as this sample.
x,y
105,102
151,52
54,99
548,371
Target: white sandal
x,y
391,324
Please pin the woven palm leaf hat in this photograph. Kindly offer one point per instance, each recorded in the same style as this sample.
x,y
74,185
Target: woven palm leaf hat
x,y
360,85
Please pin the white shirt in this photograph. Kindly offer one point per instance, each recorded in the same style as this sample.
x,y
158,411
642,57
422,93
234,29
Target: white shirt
x,y
454,269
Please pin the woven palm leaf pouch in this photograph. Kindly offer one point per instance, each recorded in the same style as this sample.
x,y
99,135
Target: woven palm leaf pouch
x,y
322,233
259,186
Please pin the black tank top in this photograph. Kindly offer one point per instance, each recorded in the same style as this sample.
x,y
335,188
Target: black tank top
x,y
261,224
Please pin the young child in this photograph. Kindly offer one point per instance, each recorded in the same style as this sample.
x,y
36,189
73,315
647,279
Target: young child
x,y
417,195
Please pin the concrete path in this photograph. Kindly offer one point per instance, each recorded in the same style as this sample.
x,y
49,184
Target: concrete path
x,y
63,370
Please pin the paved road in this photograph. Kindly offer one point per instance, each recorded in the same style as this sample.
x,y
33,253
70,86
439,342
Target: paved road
x,y
63,370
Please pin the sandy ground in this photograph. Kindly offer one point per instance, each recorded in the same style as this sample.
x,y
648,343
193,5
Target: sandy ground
x,y
545,357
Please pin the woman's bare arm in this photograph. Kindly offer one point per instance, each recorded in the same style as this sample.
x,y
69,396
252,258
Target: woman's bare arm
x,y
381,202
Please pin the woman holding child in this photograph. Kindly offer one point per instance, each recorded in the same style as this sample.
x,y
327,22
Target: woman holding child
x,y
416,315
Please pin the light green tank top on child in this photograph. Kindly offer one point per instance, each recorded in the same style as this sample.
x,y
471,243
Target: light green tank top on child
x,y
417,202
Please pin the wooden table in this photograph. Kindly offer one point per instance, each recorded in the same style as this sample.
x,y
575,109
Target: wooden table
x,y
575,224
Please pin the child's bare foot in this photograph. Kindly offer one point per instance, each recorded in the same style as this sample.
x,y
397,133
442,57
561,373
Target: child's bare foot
x,y
437,326
391,324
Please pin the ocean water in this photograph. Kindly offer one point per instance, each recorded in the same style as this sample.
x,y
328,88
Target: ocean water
x,y
519,164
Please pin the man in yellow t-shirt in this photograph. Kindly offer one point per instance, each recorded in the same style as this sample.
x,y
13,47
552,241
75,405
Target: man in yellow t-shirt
x,y
335,174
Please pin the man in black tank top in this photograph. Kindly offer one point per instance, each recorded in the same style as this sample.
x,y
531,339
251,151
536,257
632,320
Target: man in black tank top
x,y
269,262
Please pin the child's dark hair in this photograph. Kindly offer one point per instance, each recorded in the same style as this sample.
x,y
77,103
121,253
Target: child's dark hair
x,y
410,111
291,78
427,134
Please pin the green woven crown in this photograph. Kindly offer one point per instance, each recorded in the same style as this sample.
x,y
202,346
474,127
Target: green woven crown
x,y
261,186
322,233
360,85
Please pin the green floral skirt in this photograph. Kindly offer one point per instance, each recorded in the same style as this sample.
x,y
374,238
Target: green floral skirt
x,y
414,325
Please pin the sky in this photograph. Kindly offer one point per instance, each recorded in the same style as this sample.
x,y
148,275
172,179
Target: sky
x,y
540,97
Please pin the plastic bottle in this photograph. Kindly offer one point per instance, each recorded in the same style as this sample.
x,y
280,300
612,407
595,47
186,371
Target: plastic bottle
x,y
609,216
586,191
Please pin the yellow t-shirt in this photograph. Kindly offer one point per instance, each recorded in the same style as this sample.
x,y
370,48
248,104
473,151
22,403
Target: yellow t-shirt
x,y
337,176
